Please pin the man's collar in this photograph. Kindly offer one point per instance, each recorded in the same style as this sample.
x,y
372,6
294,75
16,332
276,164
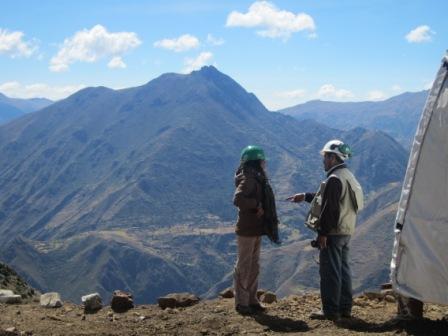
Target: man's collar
x,y
338,166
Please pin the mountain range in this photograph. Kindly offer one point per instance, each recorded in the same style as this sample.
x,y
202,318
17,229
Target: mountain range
x,y
131,189
397,116
11,108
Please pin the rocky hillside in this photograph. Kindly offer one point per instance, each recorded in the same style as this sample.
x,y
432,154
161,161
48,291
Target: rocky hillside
x,y
9,279
288,316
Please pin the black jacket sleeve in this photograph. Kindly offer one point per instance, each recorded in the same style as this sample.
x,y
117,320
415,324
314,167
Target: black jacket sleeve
x,y
309,197
330,206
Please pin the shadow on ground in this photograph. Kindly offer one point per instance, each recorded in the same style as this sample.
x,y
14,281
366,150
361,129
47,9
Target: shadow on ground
x,y
423,327
281,324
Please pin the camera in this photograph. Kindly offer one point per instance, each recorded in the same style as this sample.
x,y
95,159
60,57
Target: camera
x,y
314,244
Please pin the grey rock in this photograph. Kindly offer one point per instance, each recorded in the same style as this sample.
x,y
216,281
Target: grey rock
x,y
11,299
6,292
268,297
121,301
227,293
177,300
260,292
374,295
92,302
51,300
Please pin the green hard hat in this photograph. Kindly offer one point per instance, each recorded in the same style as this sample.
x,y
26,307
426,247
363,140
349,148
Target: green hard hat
x,y
251,153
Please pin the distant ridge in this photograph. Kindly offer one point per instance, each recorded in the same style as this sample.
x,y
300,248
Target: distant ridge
x,y
397,116
11,108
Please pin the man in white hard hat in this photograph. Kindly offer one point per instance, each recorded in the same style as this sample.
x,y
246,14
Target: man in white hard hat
x,y
333,215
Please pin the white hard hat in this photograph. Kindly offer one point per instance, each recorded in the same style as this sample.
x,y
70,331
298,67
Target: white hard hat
x,y
337,147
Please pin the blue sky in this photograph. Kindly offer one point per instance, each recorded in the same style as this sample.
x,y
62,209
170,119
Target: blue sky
x,y
286,52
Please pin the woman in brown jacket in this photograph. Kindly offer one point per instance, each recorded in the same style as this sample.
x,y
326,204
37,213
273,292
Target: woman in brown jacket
x,y
249,179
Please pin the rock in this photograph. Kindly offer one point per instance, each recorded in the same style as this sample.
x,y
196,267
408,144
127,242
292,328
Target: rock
x,y
51,300
177,300
389,298
11,299
6,292
121,301
92,302
268,297
227,293
373,295
385,292
166,302
260,292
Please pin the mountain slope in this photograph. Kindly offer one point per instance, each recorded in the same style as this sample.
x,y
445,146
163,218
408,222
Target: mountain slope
x,y
132,188
397,116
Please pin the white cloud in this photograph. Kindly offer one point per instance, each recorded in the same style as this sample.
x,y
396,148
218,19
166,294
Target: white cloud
x,y
376,95
116,63
13,44
92,45
215,41
274,23
38,90
192,64
420,34
182,43
330,91
299,93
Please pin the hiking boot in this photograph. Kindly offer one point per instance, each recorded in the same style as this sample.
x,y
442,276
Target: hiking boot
x,y
257,308
346,315
320,315
243,310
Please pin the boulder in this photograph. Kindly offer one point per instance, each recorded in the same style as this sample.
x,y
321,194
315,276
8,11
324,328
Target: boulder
x,y
268,297
177,300
260,292
11,299
8,296
374,295
51,300
6,292
390,298
227,293
92,302
121,301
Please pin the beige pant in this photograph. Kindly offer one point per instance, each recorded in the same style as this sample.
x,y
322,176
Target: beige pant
x,y
245,276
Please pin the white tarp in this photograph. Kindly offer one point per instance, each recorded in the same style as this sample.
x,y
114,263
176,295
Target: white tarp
x,y
419,267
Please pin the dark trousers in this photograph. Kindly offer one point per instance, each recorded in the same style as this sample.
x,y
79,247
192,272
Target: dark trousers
x,y
335,276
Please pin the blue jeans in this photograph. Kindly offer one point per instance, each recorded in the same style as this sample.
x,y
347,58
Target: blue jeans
x,y
335,276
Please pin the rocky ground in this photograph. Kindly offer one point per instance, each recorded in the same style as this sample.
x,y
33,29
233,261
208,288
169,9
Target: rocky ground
x,y
217,317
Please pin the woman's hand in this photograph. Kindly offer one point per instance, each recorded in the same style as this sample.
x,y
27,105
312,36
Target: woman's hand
x,y
297,198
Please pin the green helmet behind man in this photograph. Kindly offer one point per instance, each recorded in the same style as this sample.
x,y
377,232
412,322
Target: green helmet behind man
x,y
251,153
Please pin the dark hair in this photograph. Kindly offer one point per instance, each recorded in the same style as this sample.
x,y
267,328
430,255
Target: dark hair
x,y
252,164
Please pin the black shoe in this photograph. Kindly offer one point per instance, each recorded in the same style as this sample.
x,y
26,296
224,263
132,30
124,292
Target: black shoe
x,y
320,315
257,308
243,310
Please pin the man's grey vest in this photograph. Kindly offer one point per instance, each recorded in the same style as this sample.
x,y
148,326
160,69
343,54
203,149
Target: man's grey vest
x,y
350,203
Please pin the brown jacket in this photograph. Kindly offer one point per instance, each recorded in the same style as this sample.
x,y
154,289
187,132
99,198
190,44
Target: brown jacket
x,y
248,195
